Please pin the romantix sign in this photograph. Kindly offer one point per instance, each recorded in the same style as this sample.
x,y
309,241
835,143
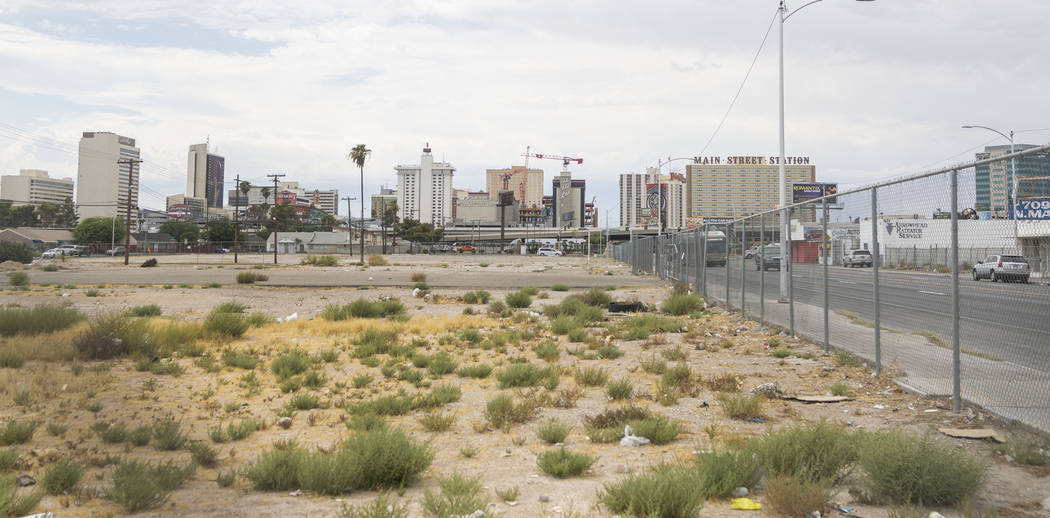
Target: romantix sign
x,y
750,160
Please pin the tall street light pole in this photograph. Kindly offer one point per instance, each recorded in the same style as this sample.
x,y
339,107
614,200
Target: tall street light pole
x,y
782,183
1012,202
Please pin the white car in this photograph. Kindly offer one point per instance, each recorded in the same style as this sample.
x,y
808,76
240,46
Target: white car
x,y
549,251
54,253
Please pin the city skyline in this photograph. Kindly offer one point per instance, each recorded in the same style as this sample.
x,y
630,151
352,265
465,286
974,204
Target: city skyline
x,y
673,84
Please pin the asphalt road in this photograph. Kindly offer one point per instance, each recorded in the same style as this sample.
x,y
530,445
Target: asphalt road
x,y
1004,321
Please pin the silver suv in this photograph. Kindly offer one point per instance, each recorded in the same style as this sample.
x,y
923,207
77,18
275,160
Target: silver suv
x,y
1002,268
855,258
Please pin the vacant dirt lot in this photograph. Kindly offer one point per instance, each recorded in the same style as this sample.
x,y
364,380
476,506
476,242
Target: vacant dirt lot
x,y
713,345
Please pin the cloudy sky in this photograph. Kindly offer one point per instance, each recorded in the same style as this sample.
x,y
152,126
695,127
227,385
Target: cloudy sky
x,y
874,89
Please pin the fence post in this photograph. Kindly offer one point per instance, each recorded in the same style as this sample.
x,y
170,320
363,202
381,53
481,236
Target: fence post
x,y
825,242
791,278
743,266
696,258
729,249
956,391
876,258
762,268
703,262
634,262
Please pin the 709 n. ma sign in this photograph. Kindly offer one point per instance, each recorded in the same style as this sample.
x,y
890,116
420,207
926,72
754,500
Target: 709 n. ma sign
x,y
1038,209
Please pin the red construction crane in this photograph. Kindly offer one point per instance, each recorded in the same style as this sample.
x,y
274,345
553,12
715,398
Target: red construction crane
x,y
564,159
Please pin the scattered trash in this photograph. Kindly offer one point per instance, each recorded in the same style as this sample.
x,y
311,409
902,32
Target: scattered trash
x,y
745,504
704,405
756,420
285,422
844,508
40,515
770,390
296,493
935,514
149,263
630,439
930,410
291,317
879,407
813,514
973,433
24,480
740,492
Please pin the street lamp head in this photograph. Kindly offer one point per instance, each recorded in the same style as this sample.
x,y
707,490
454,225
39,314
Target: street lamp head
x,y
968,127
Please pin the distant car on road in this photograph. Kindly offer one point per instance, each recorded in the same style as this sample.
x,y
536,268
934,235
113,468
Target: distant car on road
x,y
855,258
549,251
1002,268
115,251
750,252
466,248
54,253
767,258
75,250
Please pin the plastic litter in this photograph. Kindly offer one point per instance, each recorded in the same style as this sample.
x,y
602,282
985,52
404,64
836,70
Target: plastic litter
x,y
745,504
756,420
630,439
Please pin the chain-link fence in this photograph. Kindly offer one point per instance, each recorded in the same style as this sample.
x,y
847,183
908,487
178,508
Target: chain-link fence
x,y
929,278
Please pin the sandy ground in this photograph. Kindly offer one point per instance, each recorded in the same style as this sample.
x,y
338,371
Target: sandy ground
x,y
505,459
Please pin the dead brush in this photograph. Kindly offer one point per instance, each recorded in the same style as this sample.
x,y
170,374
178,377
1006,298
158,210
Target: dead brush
x,y
725,382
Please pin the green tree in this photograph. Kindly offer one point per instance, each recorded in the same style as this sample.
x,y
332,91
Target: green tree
x,y
359,155
219,230
181,230
99,231
388,219
5,213
47,214
15,252
23,216
412,230
327,222
67,214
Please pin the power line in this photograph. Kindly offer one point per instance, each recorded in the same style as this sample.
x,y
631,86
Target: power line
x,y
742,83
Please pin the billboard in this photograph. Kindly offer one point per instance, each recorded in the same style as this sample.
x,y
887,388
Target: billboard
x,y
286,198
1032,209
180,212
803,192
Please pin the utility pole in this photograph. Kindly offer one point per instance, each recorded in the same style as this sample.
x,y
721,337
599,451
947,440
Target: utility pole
x,y
274,209
236,227
127,205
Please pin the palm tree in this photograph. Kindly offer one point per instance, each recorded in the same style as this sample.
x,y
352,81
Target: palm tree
x,y
358,155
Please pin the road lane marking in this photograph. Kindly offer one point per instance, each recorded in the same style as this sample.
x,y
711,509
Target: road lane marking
x,y
847,282
933,293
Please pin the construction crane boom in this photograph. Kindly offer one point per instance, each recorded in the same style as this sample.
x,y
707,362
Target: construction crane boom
x,y
564,159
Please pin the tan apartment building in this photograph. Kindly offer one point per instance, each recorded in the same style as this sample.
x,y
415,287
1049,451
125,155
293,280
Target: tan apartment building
x,y
103,182
735,186
527,184
36,187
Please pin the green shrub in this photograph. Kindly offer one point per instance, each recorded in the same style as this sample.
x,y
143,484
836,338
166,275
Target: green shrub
x,y
168,434
477,297
910,469
502,411
781,353
9,459
149,310
377,260
11,503
658,429
574,307
608,426
682,304
140,436
278,469
559,287
475,371
595,297
240,360
16,432
365,422
319,260
619,389
290,363
92,293
840,389
258,319
50,268
110,433
809,451
251,277
422,286
553,431
547,351
674,354
364,308
137,486
304,402
18,279
643,326
518,299
722,471
202,454
591,376
399,404
62,476
562,463
526,375
438,396
669,491
45,318
437,422
471,336
609,352
374,341
441,364
460,496
740,406
229,306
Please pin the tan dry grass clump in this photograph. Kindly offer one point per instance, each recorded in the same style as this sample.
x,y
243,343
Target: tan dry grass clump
x,y
418,325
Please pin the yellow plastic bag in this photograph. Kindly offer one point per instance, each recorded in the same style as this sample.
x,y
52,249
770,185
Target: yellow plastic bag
x,y
746,504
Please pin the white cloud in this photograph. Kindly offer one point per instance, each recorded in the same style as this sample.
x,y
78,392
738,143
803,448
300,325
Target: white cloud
x,y
872,89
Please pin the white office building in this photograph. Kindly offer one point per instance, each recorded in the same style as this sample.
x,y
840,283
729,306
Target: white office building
x,y
106,178
36,187
424,191
641,198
